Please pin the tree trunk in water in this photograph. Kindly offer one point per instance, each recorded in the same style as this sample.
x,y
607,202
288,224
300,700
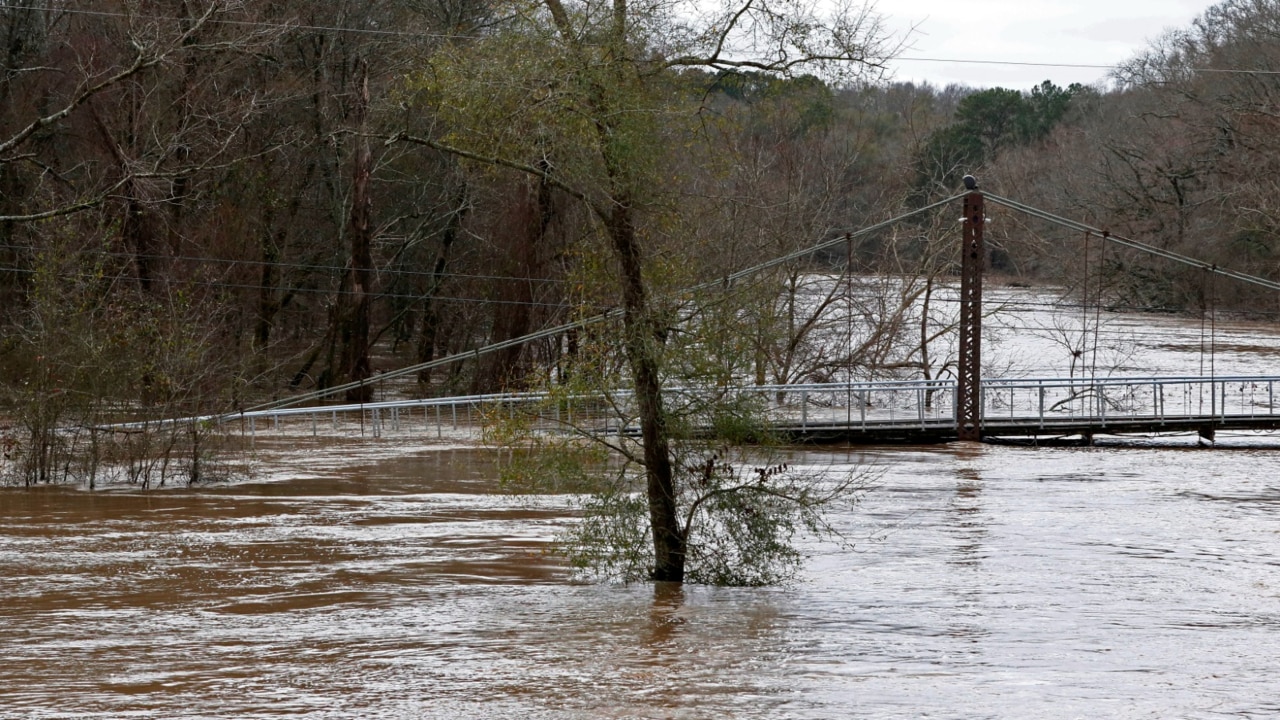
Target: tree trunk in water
x,y
642,336
642,340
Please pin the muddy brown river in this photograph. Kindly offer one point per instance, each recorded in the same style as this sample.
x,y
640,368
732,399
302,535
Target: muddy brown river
x,y
384,580
983,582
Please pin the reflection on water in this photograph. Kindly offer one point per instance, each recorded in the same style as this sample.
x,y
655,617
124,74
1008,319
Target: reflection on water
x,y
967,523
985,581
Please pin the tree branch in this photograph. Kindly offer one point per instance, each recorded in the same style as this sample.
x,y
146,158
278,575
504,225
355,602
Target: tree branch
x,y
66,209
561,18
497,161
142,61
752,487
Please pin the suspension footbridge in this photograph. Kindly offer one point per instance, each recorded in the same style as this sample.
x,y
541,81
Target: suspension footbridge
x,y
866,412
968,407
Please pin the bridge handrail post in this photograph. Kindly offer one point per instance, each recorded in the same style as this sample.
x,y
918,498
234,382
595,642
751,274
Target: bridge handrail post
x,y
1040,386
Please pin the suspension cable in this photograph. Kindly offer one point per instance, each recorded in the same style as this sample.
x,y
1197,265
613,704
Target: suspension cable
x,y
1135,244
594,319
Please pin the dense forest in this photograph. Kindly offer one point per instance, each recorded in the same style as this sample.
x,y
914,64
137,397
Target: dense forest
x,y
206,205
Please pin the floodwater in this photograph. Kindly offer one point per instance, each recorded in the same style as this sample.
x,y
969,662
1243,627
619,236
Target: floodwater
x,y
979,581
982,582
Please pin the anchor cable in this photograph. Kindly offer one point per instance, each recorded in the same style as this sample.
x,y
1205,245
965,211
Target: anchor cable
x,y
1134,244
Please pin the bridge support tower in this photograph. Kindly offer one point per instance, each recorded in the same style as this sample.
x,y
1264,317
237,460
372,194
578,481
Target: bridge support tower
x,y
972,259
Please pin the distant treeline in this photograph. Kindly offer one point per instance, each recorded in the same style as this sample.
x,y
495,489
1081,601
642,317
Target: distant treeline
x,y
213,203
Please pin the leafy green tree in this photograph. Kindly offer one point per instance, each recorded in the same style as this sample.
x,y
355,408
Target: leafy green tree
x,y
1048,105
581,96
987,122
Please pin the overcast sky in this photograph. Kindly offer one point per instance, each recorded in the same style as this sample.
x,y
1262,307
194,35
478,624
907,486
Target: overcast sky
x,y
1090,32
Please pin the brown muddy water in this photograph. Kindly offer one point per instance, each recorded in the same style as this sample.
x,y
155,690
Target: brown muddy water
x,y
984,582
388,580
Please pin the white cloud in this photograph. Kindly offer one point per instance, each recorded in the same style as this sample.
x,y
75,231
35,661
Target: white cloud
x,y
1085,32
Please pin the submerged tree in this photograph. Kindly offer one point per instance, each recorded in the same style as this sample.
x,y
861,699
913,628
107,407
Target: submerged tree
x,y
740,503
583,95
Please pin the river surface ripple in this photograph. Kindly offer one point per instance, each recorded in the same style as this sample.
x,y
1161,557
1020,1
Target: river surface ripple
x,y
983,582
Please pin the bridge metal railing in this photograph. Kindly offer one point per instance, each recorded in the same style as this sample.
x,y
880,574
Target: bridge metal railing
x,y
904,404
861,404
1046,401
1032,403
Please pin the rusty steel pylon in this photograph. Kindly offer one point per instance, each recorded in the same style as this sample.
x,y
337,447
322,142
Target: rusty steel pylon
x,y
972,258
